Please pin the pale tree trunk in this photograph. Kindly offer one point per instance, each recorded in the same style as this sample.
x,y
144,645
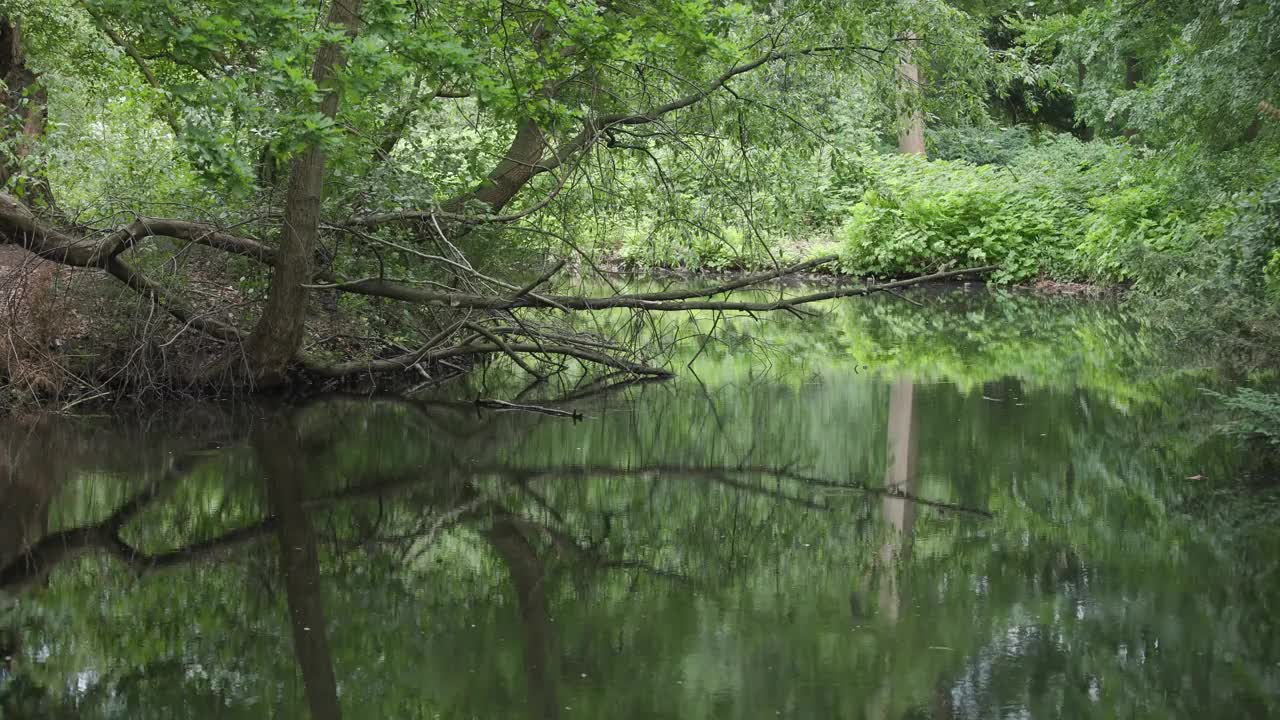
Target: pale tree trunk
x,y
278,335
911,122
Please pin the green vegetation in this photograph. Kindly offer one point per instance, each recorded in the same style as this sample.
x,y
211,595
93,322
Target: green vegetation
x,y
327,192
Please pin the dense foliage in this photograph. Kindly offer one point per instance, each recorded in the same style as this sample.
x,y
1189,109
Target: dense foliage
x,y
464,146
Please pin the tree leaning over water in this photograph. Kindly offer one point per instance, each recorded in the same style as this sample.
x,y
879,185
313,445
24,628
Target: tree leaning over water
x,y
301,129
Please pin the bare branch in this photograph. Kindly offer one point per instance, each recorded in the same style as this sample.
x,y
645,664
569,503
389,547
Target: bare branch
x,y
675,301
427,354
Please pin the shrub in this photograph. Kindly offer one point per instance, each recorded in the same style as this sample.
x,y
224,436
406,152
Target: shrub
x,y
697,248
979,146
1127,225
1218,294
921,216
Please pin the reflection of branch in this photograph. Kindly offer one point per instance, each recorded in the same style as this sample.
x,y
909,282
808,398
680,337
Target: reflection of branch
x,y
593,557
34,561
429,354
39,558
721,475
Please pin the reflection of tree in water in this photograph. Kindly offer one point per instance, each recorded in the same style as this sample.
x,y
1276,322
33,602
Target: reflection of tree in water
x,y
518,520
387,517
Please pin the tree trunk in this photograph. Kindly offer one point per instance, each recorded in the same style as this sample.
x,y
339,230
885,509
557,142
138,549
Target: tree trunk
x,y
1132,76
513,172
25,108
911,123
278,335
1083,131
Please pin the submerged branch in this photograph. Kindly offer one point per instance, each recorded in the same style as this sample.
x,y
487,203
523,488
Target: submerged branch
x,y
723,475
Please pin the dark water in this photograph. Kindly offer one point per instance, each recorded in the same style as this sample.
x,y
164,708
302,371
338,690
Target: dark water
x,y
984,508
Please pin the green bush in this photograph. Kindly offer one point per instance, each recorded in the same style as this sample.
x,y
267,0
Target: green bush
x,y
697,248
979,146
1218,293
920,216
1127,225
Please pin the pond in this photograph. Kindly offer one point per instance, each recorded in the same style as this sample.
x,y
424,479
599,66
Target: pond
x,y
949,505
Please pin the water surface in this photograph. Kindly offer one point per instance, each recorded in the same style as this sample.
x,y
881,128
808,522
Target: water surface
x,y
985,507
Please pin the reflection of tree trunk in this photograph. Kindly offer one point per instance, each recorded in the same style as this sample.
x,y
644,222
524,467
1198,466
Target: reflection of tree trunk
x,y
535,615
899,478
944,707
284,470
900,514
911,128
32,468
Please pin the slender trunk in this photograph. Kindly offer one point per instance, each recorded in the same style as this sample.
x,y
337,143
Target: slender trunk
x,y
1082,130
25,105
398,124
278,334
911,124
284,470
1132,76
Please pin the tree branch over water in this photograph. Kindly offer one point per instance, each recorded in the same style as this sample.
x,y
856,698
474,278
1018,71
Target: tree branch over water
x,y
18,225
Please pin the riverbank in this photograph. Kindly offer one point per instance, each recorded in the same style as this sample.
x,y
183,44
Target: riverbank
x,y
74,342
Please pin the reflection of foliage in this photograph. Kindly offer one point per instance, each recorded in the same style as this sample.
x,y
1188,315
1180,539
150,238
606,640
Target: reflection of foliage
x,y
967,339
649,565
1257,415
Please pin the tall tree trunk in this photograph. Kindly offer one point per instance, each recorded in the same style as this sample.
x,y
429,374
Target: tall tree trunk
x,y
25,107
1132,76
911,123
278,335
1082,74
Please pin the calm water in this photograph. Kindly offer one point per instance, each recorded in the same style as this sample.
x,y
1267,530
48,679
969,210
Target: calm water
x,y
984,508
